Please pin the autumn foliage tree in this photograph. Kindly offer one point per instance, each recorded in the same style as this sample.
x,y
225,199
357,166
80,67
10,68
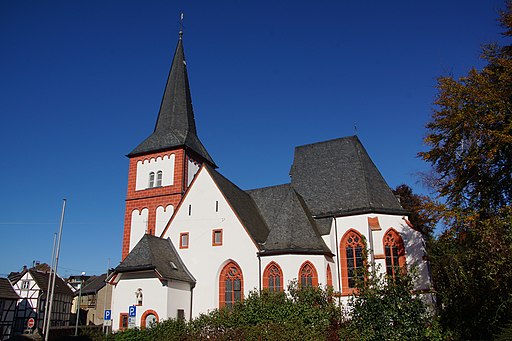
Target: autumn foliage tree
x,y
470,150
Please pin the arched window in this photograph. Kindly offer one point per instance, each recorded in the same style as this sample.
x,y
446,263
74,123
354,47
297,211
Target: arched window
x,y
158,179
148,318
329,276
352,260
231,285
273,277
151,180
308,275
394,251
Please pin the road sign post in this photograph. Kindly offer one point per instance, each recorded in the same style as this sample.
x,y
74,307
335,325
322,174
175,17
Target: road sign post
x,y
107,317
132,313
31,323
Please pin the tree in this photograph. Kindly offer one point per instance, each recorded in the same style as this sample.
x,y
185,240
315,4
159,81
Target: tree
x,y
387,308
470,150
420,207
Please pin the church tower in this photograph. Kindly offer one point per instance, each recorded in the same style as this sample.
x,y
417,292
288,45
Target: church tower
x,y
163,165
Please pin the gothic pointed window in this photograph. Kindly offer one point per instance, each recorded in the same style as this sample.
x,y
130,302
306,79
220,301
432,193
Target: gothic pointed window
x,y
352,260
308,275
273,278
151,183
158,179
231,285
394,251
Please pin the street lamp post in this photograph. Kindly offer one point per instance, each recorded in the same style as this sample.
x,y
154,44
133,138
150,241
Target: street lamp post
x,y
79,302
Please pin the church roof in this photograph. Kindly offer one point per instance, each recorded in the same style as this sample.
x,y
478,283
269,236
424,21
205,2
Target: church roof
x,y
175,126
337,177
93,284
243,205
158,254
6,290
292,227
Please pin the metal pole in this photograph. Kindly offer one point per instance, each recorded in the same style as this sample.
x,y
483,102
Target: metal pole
x,y
49,285
46,334
105,300
78,305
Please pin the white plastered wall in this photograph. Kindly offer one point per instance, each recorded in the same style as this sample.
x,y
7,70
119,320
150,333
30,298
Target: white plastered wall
x,y
138,226
413,243
291,264
163,298
162,218
193,168
203,260
164,164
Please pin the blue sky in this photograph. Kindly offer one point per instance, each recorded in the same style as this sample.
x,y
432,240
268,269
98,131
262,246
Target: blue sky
x,y
81,84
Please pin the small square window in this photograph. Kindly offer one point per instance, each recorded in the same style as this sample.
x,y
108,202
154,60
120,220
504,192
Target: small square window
x,y
25,284
217,237
184,240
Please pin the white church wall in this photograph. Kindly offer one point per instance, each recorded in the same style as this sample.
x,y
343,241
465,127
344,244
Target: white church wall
x,y
413,241
144,168
291,265
138,226
154,296
178,298
203,210
192,169
163,214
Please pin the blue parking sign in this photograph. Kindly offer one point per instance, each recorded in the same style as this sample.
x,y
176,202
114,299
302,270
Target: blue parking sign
x,y
132,311
108,315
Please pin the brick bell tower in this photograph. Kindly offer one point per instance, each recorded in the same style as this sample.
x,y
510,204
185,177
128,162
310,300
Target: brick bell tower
x,y
163,165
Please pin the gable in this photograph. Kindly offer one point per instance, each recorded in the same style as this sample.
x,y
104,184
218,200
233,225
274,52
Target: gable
x,y
211,196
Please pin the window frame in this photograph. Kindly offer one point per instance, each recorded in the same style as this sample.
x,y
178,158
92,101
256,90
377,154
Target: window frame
x,y
267,276
123,326
312,274
158,179
346,287
227,275
182,245
220,232
151,180
393,240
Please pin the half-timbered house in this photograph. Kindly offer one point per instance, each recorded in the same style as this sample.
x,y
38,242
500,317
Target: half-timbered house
x,y
8,304
32,287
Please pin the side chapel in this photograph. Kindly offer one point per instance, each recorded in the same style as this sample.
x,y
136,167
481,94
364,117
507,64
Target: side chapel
x,y
194,241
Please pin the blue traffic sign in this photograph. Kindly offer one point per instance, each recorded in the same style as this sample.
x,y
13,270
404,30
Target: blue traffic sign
x,y
132,311
108,315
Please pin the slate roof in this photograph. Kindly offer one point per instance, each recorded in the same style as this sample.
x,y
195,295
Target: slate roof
x,y
175,126
154,253
337,177
6,290
292,228
93,284
243,205
42,278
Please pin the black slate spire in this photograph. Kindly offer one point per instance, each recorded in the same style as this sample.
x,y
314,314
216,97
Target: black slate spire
x,y
175,126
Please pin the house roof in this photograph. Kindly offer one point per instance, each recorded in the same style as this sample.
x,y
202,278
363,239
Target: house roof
x,y
175,125
93,284
337,177
158,254
42,277
292,227
6,290
243,205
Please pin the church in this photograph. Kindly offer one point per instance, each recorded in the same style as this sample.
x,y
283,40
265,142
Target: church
x,y
194,241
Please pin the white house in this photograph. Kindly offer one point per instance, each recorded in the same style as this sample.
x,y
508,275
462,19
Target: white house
x,y
32,287
206,243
